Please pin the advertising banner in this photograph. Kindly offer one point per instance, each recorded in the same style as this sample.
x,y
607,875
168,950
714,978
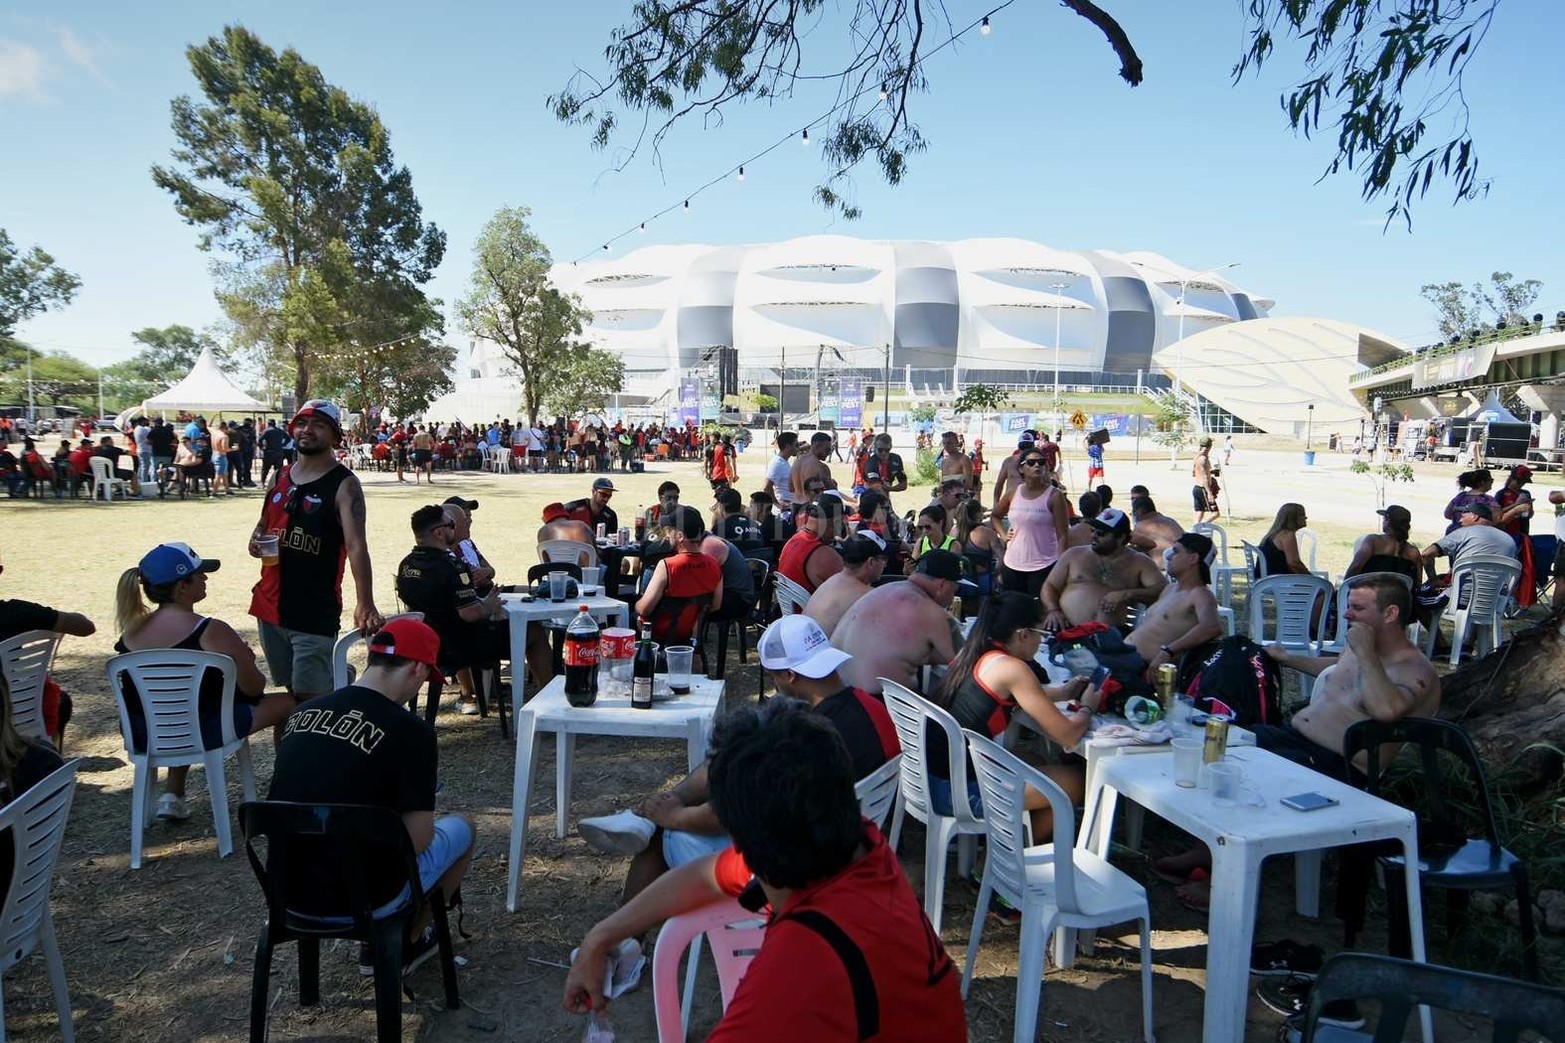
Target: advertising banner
x,y
827,407
711,402
850,402
689,411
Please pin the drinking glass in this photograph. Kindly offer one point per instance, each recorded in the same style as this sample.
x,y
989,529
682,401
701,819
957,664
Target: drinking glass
x,y
1227,780
1187,762
679,661
589,576
269,546
557,585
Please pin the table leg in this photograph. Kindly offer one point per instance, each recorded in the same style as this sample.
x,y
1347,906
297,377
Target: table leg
x,y
1230,933
564,755
521,798
1306,882
1415,919
518,665
696,743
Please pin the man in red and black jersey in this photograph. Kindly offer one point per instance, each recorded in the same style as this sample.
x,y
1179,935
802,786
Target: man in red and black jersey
x,y
315,506
848,954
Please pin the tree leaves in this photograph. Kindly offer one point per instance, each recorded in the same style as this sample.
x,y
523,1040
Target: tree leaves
x,y
30,284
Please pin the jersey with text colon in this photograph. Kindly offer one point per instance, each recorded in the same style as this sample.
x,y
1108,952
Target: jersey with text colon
x,y
303,591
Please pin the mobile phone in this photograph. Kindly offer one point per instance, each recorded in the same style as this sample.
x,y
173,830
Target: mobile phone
x,y
1100,675
1308,802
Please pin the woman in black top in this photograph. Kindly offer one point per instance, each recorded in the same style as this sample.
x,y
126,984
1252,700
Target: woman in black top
x,y
990,677
173,578
1280,546
1388,550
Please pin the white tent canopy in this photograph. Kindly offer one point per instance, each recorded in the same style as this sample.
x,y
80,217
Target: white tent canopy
x,y
205,389
1493,411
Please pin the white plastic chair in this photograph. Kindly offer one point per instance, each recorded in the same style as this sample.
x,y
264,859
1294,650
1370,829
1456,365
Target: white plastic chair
x,y
168,684
791,598
1223,572
877,791
342,672
1309,546
1294,625
1481,588
36,822
1339,640
1254,561
1055,885
25,660
104,482
571,552
500,459
735,935
911,713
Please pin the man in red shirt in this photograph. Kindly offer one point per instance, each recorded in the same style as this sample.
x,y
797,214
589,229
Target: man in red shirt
x,y
849,954
810,556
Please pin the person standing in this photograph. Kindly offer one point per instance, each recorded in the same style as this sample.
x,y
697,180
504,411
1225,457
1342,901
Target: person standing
x,y
424,454
1515,518
1009,476
954,463
1094,461
220,461
1037,515
316,509
140,437
721,472
274,441
247,453
1203,494
779,473
1228,449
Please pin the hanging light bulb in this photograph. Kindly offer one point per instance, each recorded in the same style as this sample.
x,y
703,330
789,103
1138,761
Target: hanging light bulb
x,y
687,205
605,247
983,26
884,93
804,139
643,228
741,175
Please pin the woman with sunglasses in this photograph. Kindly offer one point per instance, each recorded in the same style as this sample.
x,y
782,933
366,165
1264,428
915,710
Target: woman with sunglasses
x,y
1036,516
934,533
992,676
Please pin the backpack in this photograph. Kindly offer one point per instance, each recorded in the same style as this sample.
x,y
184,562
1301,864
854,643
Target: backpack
x,y
1241,676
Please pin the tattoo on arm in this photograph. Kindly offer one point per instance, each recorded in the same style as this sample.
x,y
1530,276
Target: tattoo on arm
x,y
356,511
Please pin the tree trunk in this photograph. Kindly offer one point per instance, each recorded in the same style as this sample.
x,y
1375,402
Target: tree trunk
x,y
1512,700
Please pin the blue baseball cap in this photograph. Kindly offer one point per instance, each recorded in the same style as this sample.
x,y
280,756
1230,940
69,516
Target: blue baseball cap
x,y
172,562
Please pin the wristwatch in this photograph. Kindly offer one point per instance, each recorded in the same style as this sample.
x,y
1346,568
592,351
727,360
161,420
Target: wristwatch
x,y
1166,651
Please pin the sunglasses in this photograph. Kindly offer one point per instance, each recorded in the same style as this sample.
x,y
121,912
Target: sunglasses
x,y
1035,462
1034,630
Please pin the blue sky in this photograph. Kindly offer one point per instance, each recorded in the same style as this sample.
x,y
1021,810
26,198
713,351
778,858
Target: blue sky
x,y
1031,134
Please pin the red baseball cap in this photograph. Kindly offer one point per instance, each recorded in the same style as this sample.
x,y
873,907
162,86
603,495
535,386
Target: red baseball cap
x,y
552,511
409,639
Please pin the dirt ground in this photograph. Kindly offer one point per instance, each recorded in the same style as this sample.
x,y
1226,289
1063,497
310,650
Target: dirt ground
x,y
166,952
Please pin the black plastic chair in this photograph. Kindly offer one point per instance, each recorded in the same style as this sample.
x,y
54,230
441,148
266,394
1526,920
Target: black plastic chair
x,y
749,614
344,839
1447,857
1401,986
681,620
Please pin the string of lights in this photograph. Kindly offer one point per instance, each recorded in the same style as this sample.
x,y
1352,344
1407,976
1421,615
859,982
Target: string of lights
x,y
737,172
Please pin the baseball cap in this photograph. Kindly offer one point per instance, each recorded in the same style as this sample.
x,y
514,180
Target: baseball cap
x,y
799,644
862,546
322,408
1396,514
409,639
940,564
1480,509
1199,545
553,511
603,483
1522,471
1110,519
457,501
1027,438
172,562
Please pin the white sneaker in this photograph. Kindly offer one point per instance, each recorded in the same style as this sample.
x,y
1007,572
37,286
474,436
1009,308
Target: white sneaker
x,y
171,806
623,833
467,707
623,972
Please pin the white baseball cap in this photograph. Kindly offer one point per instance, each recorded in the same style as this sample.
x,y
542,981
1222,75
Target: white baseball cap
x,y
799,644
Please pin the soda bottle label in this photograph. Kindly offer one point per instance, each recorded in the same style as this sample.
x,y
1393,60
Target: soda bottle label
x,y
580,653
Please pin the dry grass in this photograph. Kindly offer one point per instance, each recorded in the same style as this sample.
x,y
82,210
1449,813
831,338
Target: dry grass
x,y
166,952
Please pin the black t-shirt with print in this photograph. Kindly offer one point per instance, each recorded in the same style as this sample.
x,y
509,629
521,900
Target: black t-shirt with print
x,y
435,582
18,617
354,746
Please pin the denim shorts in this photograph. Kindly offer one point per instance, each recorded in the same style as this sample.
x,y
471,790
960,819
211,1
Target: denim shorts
x,y
940,797
680,847
453,838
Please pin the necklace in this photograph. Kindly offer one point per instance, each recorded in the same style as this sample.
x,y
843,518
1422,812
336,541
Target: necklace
x,y
1107,571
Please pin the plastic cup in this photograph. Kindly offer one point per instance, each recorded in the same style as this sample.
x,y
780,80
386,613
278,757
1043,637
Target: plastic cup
x,y
679,661
1187,762
270,547
1227,780
557,585
589,576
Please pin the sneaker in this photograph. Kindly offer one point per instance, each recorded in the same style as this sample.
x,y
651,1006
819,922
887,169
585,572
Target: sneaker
x,y
624,833
171,806
1286,957
366,961
425,946
467,707
623,973
1289,996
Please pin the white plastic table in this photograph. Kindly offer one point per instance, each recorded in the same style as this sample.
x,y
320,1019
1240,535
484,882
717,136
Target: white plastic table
x,y
1240,838
689,717
520,613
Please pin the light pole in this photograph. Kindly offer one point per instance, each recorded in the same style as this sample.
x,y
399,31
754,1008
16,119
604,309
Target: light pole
x,y
1179,358
1059,301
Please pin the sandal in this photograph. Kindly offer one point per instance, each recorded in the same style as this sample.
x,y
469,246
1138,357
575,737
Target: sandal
x,y
1195,896
1177,869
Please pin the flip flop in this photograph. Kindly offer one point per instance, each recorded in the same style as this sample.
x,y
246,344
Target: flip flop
x,y
1202,905
1175,876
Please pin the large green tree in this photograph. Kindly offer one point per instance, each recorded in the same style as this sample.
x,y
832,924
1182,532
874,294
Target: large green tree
x,y
511,302
1461,310
166,354
583,381
30,284
292,182
1385,74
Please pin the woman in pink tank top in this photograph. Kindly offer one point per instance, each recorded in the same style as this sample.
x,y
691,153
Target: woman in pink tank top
x,y
1037,515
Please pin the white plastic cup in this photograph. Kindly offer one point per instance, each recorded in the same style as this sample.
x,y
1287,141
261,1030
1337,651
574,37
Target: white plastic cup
x,y
680,658
1187,762
1227,780
557,585
589,576
270,548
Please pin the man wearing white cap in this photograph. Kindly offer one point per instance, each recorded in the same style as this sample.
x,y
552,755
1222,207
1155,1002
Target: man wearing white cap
x,y
669,829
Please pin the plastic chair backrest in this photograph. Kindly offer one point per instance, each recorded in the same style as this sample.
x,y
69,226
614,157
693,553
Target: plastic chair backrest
x,y
342,673
1296,598
1432,737
346,837
1218,535
1401,986
1309,544
877,791
1003,779
543,568
25,660
168,683
1254,561
569,550
734,933
791,598
912,714
36,822
1482,583
1345,588
760,572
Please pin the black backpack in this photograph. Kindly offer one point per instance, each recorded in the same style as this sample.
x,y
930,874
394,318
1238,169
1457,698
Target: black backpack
x,y
1241,675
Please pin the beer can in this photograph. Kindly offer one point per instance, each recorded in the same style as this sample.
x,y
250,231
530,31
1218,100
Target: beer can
x,y
602,532
1167,674
624,536
1216,746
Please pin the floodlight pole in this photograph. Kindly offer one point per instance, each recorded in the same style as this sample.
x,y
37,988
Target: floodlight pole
x,y
1058,288
885,405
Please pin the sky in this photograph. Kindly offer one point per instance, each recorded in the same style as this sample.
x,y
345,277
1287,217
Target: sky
x,y
1031,134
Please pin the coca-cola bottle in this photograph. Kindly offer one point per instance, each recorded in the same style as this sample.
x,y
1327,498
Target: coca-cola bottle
x,y
581,659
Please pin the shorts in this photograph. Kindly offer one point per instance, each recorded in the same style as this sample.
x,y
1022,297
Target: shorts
x,y
297,661
220,464
680,847
1290,744
940,797
1199,499
1094,471
1029,583
453,838
1559,561
422,457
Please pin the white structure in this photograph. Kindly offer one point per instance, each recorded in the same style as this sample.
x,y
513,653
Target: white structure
x,y
205,389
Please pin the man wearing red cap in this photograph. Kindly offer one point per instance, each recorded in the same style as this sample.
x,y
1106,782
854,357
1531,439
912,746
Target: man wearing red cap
x,y
315,507
359,745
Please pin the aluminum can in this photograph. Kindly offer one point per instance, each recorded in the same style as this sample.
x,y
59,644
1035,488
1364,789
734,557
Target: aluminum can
x,y
1216,746
1166,675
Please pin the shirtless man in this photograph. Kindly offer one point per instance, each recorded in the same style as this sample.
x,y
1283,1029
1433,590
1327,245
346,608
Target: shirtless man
x,y
811,465
1155,532
557,525
896,630
1009,475
863,560
1100,581
1081,533
1202,500
1185,615
956,464
1381,675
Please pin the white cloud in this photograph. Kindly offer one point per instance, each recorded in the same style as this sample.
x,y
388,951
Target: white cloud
x,y
80,52
23,70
